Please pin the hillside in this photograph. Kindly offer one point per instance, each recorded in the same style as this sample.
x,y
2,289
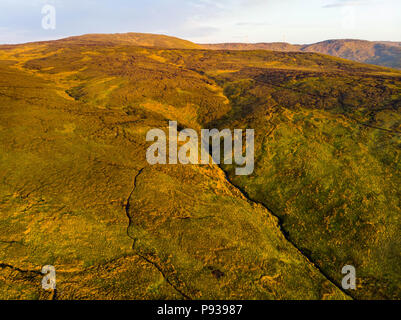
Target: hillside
x,y
134,39
382,54
387,54
77,192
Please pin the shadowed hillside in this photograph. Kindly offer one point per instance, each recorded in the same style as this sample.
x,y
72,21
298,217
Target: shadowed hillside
x,y
77,192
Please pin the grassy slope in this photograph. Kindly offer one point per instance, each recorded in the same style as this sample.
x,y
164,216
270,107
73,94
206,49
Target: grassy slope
x,y
73,125
322,167
328,156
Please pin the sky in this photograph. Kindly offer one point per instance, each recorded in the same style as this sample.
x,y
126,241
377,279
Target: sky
x,y
205,21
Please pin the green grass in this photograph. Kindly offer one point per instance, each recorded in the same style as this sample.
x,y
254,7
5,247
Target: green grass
x,y
74,117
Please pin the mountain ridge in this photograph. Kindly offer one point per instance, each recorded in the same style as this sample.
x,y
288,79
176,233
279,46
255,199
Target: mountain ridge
x,y
381,53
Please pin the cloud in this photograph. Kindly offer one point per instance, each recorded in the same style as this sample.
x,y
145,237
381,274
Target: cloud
x,y
199,31
346,3
252,24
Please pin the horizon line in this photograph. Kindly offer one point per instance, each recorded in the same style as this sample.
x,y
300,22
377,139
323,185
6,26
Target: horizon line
x,y
204,43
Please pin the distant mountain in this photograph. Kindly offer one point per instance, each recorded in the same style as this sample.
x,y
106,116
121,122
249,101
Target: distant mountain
x,y
381,53
386,54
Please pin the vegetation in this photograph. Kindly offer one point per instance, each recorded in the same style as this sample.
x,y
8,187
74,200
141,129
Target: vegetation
x,y
76,191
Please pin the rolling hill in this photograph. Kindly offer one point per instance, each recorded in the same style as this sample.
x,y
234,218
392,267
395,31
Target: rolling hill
x,y
77,192
134,39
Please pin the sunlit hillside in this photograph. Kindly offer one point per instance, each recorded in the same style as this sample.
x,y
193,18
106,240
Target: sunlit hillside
x,y
77,192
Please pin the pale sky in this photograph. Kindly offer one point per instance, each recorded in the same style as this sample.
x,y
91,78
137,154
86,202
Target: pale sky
x,y
207,21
